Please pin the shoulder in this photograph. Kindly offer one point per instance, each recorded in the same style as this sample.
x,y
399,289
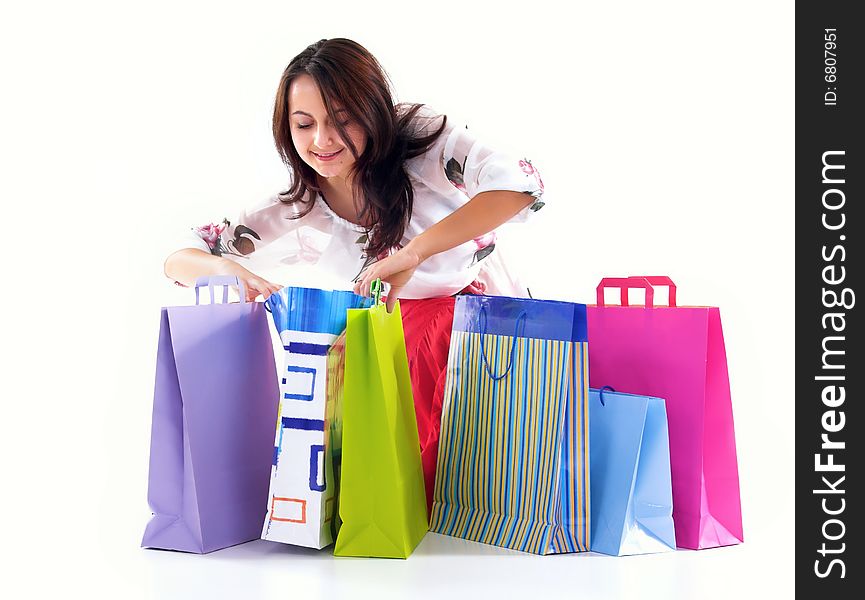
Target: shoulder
x,y
423,120
277,212
282,203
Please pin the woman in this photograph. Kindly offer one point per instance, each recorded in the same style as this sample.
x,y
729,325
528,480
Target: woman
x,y
377,191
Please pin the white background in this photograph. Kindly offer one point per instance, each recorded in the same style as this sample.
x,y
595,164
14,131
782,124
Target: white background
x,y
664,134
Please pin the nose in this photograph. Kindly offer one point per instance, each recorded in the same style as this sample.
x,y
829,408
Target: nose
x,y
324,136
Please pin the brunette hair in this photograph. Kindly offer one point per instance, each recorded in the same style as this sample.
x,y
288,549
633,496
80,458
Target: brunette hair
x,y
350,78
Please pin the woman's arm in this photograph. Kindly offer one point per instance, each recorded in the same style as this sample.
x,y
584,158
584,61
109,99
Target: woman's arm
x,y
482,214
210,249
187,265
497,188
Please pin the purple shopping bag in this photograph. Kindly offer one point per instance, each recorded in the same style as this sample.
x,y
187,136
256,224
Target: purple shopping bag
x,y
214,406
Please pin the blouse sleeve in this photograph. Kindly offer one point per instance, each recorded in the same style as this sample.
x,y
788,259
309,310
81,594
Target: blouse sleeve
x,y
247,237
472,167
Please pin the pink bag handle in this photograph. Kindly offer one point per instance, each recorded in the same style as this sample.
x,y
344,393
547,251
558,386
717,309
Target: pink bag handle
x,y
661,280
624,284
223,280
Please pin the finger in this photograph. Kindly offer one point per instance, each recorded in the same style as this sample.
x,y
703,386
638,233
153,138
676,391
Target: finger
x,y
247,290
363,285
254,291
393,296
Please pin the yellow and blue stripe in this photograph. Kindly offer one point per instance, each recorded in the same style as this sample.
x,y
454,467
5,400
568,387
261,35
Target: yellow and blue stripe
x,y
513,453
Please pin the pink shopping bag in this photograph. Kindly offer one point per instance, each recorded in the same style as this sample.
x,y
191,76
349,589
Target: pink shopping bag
x,y
676,353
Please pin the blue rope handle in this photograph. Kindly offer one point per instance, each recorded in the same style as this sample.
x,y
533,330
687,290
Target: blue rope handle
x,y
601,393
483,327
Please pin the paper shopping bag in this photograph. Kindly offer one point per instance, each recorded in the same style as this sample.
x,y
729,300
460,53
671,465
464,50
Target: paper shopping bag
x,y
514,449
632,494
382,501
213,410
333,425
677,353
302,499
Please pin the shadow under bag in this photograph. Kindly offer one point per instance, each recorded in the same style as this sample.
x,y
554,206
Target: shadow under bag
x,y
214,406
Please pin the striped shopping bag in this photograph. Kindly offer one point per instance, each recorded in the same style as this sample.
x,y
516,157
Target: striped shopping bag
x,y
513,461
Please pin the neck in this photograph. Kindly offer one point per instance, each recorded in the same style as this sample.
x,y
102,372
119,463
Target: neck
x,y
336,186
339,196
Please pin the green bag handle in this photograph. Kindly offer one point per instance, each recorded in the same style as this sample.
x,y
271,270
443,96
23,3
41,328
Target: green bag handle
x,y
375,289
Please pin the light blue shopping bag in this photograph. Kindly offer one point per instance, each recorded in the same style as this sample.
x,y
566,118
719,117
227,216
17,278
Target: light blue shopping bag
x,y
632,497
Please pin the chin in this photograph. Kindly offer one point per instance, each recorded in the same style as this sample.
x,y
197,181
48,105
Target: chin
x,y
332,172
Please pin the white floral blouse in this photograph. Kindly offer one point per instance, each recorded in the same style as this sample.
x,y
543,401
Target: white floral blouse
x,y
452,171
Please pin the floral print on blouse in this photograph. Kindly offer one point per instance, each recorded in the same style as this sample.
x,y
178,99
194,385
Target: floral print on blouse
x,y
454,169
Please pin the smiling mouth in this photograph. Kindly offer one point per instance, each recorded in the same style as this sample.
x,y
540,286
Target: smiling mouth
x,y
327,155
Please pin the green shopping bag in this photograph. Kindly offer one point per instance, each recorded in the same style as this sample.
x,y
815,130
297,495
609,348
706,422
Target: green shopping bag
x,y
382,503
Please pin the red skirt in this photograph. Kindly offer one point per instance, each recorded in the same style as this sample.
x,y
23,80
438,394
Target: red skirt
x,y
427,326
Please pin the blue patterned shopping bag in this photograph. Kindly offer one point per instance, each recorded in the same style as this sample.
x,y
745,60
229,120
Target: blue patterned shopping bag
x,y
513,462
302,502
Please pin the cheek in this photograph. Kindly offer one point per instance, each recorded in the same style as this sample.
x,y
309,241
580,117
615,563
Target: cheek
x,y
359,140
300,140
297,140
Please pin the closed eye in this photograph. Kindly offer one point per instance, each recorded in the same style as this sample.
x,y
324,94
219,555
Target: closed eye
x,y
344,124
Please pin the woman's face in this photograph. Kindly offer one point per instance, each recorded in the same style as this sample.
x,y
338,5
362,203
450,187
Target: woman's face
x,y
315,138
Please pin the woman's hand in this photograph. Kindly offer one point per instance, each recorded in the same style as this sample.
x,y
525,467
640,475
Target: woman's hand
x,y
255,285
187,265
477,217
396,270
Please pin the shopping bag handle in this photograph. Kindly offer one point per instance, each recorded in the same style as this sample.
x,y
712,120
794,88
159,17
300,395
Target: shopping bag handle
x,y
483,332
601,393
624,284
375,289
225,281
660,280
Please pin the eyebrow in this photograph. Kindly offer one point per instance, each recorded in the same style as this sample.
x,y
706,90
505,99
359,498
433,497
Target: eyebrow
x,y
300,112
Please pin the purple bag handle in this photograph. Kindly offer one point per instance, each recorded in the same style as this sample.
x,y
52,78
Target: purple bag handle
x,y
217,280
